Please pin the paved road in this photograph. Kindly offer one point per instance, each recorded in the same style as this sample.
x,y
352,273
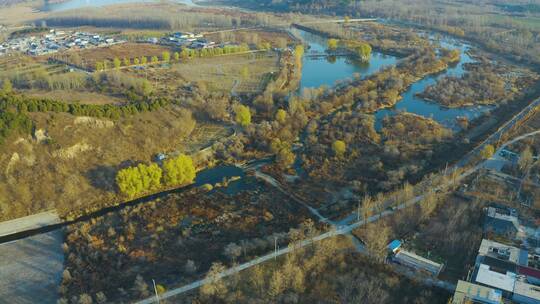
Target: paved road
x,y
31,222
31,269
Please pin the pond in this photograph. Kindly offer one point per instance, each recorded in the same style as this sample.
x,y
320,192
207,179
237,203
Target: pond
x,y
78,4
226,172
326,70
318,71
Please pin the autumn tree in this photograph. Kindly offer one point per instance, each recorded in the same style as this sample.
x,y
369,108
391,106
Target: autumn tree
x,y
487,152
166,56
127,61
99,66
364,51
281,116
332,44
339,147
176,56
7,87
117,63
216,286
136,180
179,170
243,115
144,60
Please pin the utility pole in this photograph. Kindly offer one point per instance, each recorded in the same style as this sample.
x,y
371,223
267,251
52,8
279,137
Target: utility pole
x,y
155,290
275,248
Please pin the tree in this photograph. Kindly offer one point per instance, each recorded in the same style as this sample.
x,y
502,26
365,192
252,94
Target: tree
x,y
129,181
117,63
140,287
154,59
85,299
332,44
136,61
127,61
364,51
232,251
215,287
525,159
339,148
151,176
281,116
285,157
99,66
179,170
377,237
166,56
277,284
144,60
487,152
7,87
176,56
243,115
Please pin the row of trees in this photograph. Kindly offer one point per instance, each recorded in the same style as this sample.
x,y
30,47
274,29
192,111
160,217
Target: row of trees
x,y
143,178
186,53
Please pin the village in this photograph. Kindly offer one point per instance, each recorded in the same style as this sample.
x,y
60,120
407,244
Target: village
x,y
501,272
60,40
55,41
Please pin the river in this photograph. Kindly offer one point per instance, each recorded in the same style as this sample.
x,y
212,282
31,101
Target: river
x,y
319,71
79,4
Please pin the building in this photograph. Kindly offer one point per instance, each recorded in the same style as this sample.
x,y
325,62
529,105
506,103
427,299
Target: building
x,y
495,274
417,262
467,292
503,252
525,293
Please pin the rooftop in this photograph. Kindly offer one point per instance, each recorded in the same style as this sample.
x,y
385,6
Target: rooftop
x,y
527,290
503,281
503,252
414,260
467,290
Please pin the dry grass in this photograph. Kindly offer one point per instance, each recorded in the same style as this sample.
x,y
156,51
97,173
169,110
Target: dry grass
x,y
74,169
83,97
222,73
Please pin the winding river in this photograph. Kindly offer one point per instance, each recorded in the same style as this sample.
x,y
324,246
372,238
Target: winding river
x,y
79,4
318,71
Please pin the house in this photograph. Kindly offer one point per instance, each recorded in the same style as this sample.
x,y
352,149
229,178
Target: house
x,y
417,262
467,292
501,222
